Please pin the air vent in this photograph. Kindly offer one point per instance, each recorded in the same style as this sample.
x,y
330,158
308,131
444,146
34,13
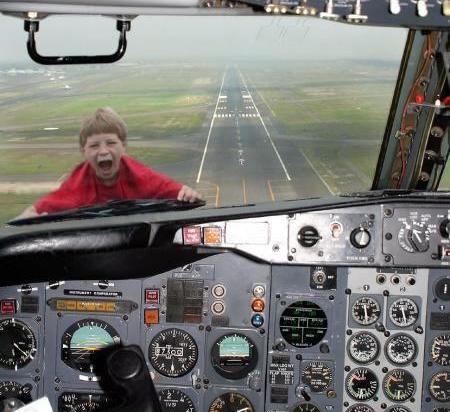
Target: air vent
x,y
308,236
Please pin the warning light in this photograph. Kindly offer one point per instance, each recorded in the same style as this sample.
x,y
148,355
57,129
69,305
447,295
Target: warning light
x,y
192,235
151,316
420,98
212,235
8,307
258,305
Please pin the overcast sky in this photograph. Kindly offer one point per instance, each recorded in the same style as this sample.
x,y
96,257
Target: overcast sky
x,y
202,37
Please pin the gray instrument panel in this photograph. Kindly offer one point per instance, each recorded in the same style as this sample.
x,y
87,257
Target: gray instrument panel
x,y
314,333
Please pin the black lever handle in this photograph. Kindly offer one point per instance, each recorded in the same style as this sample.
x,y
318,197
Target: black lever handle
x,y
32,27
128,374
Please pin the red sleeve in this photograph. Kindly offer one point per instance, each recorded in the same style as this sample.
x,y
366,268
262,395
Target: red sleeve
x,y
75,191
141,182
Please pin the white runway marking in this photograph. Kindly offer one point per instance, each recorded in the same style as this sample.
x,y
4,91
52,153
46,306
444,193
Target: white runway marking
x,y
288,177
210,129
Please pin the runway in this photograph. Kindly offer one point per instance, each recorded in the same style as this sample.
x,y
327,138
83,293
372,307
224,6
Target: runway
x,y
243,161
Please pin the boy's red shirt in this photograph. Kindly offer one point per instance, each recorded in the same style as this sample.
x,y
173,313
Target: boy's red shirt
x,y
82,188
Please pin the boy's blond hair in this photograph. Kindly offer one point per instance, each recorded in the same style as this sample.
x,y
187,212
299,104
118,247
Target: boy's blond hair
x,y
104,120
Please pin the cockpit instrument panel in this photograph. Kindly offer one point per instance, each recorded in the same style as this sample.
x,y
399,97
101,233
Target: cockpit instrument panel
x,y
317,311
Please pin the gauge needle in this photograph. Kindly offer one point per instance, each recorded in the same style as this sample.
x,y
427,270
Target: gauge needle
x,y
365,312
17,347
243,409
416,234
404,314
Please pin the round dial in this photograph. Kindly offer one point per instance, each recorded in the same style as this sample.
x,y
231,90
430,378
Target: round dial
x,y
231,402
403,312
303,324
173,400
440,386
401,349
360,408
399,385
306,407
361,384
86,402
173,352
442,289
17,344
440,350
363,347
234,355
360,238
317,376
398,408
14,393
83,340
414,237
366,310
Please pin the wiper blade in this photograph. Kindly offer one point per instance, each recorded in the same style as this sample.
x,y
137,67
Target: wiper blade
x,y
112,208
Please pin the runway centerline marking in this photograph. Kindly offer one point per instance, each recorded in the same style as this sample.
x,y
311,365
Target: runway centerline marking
x,y
272,196
210,129
288,177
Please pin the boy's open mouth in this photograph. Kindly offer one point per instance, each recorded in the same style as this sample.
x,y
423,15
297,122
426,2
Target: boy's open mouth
x,y
105,165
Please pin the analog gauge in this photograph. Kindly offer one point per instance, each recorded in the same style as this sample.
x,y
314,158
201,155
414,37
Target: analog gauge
x,y
361,384
317,376
363,347
440,386
399,385
83,340
17,344
234,355
366,311
441,410
306,407
360,408
12,393
401,349
398,408
403,312
86,402
173,400
173,352
231,402
414,237
303,324
440,350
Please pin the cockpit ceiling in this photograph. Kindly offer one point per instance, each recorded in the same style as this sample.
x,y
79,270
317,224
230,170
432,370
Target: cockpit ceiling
x,y
431,14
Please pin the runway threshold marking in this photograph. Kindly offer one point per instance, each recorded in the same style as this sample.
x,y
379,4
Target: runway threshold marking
x,y
210,129
288,177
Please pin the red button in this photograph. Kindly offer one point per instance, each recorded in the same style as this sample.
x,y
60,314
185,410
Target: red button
x,y
152,296
8,307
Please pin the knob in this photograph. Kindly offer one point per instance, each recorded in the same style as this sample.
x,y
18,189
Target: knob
x,y
444,228
308,236
360,238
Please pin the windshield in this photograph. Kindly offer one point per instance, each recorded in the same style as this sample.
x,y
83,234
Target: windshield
x,y
233,110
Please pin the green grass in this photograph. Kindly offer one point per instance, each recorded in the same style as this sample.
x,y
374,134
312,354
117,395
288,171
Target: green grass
x,y
11,204
346,167
55,162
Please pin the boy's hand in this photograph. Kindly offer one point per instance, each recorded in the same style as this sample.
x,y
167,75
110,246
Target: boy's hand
x,y
187,194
